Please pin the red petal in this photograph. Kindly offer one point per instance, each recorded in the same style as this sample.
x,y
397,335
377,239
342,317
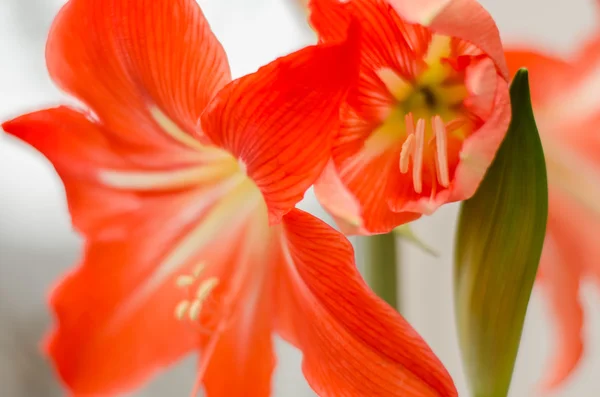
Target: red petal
x,y
280,121
131,61
354,344
569,253
387,41
479,149
546,74
463,19
122,297
354,193
243,358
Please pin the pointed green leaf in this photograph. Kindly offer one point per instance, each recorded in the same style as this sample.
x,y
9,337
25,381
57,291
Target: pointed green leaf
x,y
406,233
498,247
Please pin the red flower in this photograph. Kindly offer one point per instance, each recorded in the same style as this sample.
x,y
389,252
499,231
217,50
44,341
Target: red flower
x,y
564,93
169,190
425,119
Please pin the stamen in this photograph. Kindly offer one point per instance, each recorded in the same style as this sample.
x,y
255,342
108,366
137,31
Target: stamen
x,y
441,145
206,288
185,280
418,156
408,145
198,270
410,124
181,309
407,150
194,311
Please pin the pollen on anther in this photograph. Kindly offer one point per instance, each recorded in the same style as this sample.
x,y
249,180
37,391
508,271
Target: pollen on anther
x,y
194,311
185,280
418,156
198,270
206,287
441,144
181,309
407,151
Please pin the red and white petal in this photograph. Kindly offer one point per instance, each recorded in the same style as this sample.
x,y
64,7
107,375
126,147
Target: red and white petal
x,y
146,68
239,356
463,19
479,149
373,181
546,73
280,121
339,202
353,343
122,297
387,43
570,254
102,183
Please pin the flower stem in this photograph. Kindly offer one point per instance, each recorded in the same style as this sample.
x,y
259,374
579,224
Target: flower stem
x,y
381,266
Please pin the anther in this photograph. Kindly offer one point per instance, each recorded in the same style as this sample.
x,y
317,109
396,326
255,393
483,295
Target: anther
x,y
198,270
194,311
206,287
185,280
407,150
181,308
408,145
441,145
418,156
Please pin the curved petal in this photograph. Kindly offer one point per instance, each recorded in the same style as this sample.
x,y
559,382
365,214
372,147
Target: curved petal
x,y
122,297
546,73
479,149
146,68
240,357
354,344
387,41
101,182
567,251
339,202
464,19
280,121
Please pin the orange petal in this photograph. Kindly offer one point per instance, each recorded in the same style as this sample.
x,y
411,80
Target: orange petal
x,y
547,74
103,181
122,297
479,149
361,178
464,19
280,121
243,359
566,252
147,68
353,343
339,202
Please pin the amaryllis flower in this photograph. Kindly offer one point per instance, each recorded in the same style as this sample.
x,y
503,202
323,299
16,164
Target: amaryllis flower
x,y
184,189
566,102
426,117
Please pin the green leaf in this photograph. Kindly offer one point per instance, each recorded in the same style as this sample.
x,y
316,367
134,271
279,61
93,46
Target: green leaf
x,y
498,247
406,233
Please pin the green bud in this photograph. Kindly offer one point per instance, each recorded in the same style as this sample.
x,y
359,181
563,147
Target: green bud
x,y
498,247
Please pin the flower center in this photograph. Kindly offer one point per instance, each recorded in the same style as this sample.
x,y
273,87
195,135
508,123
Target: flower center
x,y
427,116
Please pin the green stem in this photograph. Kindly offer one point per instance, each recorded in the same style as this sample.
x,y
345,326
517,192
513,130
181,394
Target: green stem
x,y
381,266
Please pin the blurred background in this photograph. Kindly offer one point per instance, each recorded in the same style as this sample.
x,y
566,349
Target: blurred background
x,y
37,243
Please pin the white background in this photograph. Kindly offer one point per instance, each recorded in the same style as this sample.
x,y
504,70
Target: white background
x,y
37,244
